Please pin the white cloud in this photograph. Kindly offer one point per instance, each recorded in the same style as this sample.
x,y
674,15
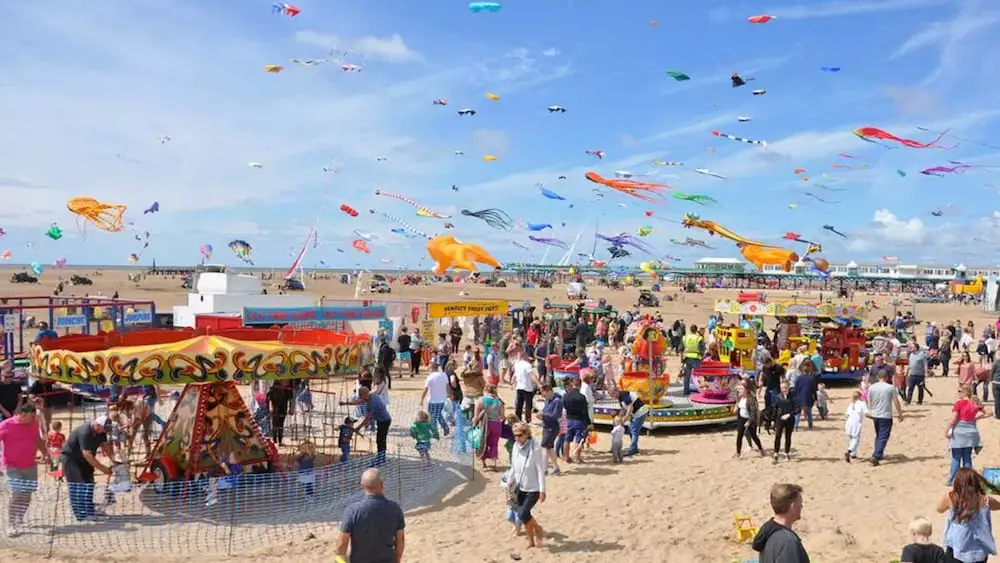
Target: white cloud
x,y
894,230
518,69
550,52
390,49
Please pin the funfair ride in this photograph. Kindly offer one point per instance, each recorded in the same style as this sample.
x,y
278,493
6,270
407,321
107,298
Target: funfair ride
x,y
668,406
210,420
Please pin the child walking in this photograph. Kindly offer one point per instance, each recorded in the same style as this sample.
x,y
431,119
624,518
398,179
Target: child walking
x,y
231,471
617,438
344,439
853,419
922,550
54,443
306,463
822,401
422,431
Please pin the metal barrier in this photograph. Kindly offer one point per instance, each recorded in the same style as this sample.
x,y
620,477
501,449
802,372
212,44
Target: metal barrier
x,y
252,511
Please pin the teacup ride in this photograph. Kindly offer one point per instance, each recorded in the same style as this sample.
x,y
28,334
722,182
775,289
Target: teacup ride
x,y
668,406
716,382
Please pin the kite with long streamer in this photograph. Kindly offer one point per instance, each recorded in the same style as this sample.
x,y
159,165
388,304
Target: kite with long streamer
x,y
625,239
421,210
829,188
242,249
647,191
406,226
496,218
695,198
740,139
834,230
403,233
521,245
958,168
874,135
707,172
549,241
819,199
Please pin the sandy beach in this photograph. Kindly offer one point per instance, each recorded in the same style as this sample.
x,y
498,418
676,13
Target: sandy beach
x,y
674,502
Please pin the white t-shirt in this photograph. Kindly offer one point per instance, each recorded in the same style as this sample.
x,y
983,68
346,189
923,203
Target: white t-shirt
x,y
991,344
966,341
522,376
617,434
437,387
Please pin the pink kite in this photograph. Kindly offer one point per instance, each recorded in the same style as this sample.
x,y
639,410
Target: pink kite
x,y
760,19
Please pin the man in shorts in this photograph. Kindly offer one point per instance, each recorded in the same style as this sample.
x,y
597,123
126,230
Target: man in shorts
x,y
577,417
550,416
21,437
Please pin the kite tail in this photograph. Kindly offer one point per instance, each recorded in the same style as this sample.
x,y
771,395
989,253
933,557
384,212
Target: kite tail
x,y
402,223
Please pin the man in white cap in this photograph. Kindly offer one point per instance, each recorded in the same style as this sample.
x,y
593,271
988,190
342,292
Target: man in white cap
x,y
79,461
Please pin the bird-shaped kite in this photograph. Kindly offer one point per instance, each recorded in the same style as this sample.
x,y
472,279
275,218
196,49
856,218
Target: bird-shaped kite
x,y
738,81
595,152
743,119
707,172
152,208
760,92
695,198
459,153
466,111
834,230
440,102
557,109
163,139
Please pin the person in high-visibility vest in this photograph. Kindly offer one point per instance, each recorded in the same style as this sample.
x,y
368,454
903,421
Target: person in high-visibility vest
x,y
694,348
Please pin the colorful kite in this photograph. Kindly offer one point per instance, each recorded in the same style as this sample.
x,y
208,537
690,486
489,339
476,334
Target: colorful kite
x,y
421,210
957,168
492,97
242,249
549,241
404,233
273,69
447,253
647,191
206,251
285,9
105,216
361,246
678,76
740,139
695,198
477,7
349,210
54,232
496,218
550,194
761,18
405,226
595,152
873,135
536,227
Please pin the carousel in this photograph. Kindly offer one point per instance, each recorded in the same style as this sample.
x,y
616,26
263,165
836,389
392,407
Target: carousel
x,y
668,406
210,420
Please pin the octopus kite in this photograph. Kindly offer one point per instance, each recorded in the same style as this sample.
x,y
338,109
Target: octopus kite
x,y
873,135
549,241
421,210
647,191
496,218
740,139
105,216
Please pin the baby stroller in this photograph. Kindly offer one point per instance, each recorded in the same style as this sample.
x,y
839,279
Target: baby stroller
x,y
933,360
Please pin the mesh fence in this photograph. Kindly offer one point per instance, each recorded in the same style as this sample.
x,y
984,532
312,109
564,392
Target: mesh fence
x,y
232,514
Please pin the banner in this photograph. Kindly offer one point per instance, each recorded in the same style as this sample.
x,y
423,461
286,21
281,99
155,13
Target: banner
x,y
466,309
298,315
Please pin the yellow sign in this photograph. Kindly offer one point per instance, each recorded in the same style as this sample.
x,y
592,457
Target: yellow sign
x,y
508,324
427,330
466,309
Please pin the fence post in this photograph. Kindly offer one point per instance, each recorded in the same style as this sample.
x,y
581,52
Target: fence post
x,y
234,497
399,473
55,517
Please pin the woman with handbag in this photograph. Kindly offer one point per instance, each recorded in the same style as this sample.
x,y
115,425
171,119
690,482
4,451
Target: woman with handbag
x,y
526,481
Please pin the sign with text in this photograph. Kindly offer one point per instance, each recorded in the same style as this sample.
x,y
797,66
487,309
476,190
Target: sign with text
x,y
304,315
138,317
71,321
9,323
466,309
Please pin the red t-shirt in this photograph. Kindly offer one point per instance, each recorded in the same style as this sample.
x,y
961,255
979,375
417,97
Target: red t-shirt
x,y
55,441
966,409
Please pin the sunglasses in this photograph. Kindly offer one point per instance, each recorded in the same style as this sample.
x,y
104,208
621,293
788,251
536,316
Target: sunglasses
x,y
521,435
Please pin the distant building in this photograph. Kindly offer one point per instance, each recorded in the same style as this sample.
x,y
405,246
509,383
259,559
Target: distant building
x,y
889,271
720,265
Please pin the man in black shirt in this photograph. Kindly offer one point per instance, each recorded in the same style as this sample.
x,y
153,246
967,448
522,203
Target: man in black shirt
x,y
577,417
582,333
79,460
279,398
770,379
403,342
10,394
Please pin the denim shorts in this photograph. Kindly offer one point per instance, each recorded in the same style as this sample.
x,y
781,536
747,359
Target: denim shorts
x,y
576,430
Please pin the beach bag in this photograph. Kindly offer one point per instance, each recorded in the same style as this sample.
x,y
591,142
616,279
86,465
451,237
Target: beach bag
x,y
514,489
476,437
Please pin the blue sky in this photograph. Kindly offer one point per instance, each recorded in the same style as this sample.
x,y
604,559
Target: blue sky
x,y
87,92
